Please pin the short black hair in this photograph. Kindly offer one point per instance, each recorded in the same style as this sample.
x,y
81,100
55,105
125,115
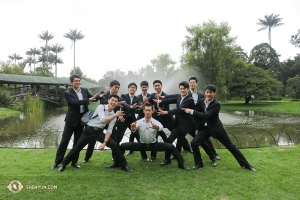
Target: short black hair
x,y
157,81
211,87
144,83
114,82
184,84
148,105
114,95
73,77
132,84
193,78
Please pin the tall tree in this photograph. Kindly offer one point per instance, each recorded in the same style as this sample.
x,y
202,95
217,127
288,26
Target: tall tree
x,y
57,48
29,61
53,59
270,21
32,52
210,54
15,57
295,39
293,84
74,36
46,36
265,57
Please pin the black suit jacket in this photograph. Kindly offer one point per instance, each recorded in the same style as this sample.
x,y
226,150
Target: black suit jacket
x,y
200,96
130,112
141,113
73,114
104,100
211,117
185,121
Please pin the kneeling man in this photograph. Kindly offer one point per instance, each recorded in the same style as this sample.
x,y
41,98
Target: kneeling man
x,y
148,128
103,118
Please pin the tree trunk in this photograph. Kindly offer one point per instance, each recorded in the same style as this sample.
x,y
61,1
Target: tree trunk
x,y
74,57
270,36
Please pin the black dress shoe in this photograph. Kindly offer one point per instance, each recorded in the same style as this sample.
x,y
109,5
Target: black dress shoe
x,y
85,160
250,168
190,150
214,163
146,159
153,159
54,166
183,166
129,153
166,162
61,168
126,168
75,165
217,157
113,165
198,166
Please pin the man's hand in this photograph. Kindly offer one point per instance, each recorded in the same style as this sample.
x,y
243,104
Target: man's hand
x,y
145,101
121,118
134,106
157,101
104,93
120,103
102,146
119,113
187,110
133,126
196,132
162,112
154,126
93,97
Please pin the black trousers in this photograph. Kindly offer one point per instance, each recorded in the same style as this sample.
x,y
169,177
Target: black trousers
x,y
158,146
201,138
66,137
89,134
180,136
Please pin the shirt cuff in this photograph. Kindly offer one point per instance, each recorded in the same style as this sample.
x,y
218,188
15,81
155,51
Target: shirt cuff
x,y
192,112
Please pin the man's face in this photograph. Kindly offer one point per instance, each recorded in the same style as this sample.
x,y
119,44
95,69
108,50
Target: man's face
x,y
76,83
115,89
132,90
210,95
148,111
113,102
157,87
144,89
193,84
183,91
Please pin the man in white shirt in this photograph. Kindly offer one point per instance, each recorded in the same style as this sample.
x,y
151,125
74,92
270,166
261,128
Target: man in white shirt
x,y
103,118
148,128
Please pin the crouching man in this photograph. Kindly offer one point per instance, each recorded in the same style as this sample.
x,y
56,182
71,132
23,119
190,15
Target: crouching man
x,y
147,128
103,118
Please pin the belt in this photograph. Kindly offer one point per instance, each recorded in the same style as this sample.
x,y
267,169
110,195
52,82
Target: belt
x,y
147,144
93,128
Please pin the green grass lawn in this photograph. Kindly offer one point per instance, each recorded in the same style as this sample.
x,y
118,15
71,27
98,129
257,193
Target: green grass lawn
x,y
278,176
6,112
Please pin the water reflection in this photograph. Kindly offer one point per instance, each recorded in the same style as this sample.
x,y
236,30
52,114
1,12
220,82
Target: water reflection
x,y
245,128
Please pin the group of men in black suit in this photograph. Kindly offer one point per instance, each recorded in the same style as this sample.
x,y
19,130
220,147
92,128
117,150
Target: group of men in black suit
x,y
192,115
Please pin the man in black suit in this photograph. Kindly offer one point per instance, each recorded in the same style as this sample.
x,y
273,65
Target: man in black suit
x,y
114,87
78,100
184,123
209,124
193,82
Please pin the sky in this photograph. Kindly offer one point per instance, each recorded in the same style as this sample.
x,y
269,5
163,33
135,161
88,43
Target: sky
x,y
127,34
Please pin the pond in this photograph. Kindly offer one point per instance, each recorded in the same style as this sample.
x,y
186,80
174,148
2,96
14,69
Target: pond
x,y
245,128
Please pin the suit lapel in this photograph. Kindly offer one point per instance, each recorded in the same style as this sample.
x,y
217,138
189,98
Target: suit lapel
x,y
73,93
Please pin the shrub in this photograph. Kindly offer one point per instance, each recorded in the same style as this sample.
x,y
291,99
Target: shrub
x,y
276,98
5,98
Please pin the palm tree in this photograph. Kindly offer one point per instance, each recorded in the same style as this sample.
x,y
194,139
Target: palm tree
x,y
46,36
270,21
15,57
29,61
32,52
53,59
56,48
74,36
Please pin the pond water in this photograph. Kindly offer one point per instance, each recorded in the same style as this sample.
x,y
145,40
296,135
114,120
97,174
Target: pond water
x,y
245,128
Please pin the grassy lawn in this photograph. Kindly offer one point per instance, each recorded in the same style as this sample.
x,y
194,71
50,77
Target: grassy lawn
x,y
278,176
6,112
287,107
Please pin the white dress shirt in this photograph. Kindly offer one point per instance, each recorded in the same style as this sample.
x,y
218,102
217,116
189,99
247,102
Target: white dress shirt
x,y
102,112
147,134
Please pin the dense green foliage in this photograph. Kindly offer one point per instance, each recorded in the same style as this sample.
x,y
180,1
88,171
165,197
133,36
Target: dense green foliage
x,y
5,98
33,104
293,87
